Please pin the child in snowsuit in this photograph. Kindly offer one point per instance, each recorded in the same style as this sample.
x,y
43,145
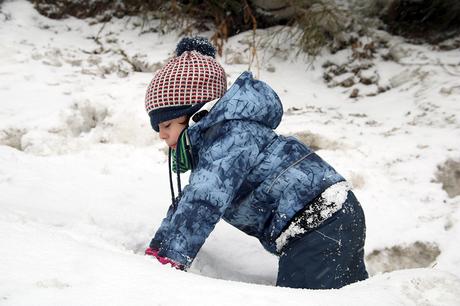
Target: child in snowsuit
x,y
272,187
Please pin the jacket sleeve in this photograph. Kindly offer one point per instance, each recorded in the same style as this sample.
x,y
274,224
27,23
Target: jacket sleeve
x,y
162,230
221,169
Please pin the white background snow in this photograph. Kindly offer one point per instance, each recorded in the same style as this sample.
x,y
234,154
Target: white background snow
x,y
83,177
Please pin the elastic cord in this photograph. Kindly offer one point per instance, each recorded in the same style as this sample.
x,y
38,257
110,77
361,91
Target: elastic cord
x,y
173,196
179,187
177,163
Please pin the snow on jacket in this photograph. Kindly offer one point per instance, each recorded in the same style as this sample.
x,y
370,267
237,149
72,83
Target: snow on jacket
x,y
244,173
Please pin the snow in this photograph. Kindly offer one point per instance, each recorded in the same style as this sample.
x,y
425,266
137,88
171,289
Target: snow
x,y
335,196
83,178
332,200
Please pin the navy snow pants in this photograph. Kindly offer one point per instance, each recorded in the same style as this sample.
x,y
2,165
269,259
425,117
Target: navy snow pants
x,y
330,256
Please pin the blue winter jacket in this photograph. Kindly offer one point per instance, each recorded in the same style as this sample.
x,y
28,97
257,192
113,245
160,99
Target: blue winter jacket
x,y
244,173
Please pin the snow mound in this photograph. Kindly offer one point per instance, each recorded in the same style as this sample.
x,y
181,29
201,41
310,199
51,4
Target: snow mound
x,y
84,182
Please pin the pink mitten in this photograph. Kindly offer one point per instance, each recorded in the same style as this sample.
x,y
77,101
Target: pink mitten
x,y
151,252
163,260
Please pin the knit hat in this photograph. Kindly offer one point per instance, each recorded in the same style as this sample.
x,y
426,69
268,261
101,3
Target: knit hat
x,y
186,82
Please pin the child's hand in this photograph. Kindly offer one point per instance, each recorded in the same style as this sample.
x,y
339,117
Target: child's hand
x,y
163,260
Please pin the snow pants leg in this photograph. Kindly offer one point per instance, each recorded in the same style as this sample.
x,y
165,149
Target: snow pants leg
x,y
330,256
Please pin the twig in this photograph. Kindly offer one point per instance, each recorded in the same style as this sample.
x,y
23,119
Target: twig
x,y
129,61
248,14
100,30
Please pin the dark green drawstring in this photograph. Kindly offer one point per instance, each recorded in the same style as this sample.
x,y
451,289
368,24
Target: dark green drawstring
x,y
180,156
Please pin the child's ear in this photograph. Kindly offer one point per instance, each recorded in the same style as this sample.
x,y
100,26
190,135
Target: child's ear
x,y
200,115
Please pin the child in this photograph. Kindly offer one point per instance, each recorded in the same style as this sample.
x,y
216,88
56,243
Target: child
x,y
271,187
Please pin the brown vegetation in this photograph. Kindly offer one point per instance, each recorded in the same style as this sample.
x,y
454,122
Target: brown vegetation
x,y
315,23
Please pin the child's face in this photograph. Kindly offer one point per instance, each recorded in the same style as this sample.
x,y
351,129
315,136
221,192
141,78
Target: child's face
x,y
171,129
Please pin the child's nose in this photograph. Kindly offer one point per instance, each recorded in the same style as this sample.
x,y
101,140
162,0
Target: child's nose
x,y
163,135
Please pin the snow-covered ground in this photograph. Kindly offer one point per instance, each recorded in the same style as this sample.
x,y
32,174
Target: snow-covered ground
x,y
83,178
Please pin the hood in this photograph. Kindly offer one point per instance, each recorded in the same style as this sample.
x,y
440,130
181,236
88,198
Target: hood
x,y
247,99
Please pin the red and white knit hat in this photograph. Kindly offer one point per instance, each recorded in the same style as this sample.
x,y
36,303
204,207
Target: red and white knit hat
x,y
185,83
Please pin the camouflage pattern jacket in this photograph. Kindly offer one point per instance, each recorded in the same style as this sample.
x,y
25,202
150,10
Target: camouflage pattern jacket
x,y
244,173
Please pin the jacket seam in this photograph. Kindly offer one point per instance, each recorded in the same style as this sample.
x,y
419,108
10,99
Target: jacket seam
x,y
284,171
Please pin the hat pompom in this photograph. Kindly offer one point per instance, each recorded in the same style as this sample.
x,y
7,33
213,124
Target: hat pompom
x,y
197,43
